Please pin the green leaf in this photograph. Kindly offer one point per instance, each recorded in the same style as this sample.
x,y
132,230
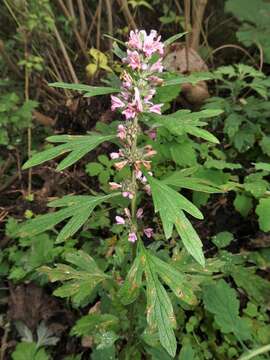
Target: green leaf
x,y
186,122
104,354
256,187
232,124
180,179
29,351
78,146
222,239
184,154
220,164
220,300
168,200
175,37
174,279
160,311
130,290
87,89
79,282
93,169
190,238
160,315
243,204
77,208
193,78
265,145
187,353
91,324
262,166
256,287
263,211
169,204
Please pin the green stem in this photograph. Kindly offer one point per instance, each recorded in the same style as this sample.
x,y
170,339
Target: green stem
x,y
134,186
134,222
256,352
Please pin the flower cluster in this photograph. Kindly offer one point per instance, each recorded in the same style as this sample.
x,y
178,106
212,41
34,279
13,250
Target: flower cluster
x,y
127,221
139,89
144,62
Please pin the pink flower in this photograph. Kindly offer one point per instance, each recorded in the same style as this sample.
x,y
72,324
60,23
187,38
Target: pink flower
x,y
127,81
135,39
149,151
129,112
152,134
133,60
132,237
116,103
115,186
137,100
155,81
149,95
121,132
140,177
151,45
114,155
127,212
147,189
120,164
156,108
127,194
157,66
125,95
148,232
139,213
119,220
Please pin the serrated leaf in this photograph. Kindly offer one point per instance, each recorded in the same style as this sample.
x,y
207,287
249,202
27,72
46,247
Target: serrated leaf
x,y
29,351
173,278
160,315
187,122
79,281
256,287
222,239
92,323
77,208
220,299
160,311
169,203
87,89
78,146
190,238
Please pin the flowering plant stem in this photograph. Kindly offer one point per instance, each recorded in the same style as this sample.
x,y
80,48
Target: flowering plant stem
x,y
134,186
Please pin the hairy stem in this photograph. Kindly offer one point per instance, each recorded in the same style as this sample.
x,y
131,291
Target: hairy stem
x,y
134,186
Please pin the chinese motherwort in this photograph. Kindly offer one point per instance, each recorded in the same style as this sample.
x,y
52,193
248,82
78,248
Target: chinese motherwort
x,y
139,82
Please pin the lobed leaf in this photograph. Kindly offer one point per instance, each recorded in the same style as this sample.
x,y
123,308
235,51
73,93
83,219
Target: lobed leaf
x,y
169,203
79,281
77,208
78,146
87,89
